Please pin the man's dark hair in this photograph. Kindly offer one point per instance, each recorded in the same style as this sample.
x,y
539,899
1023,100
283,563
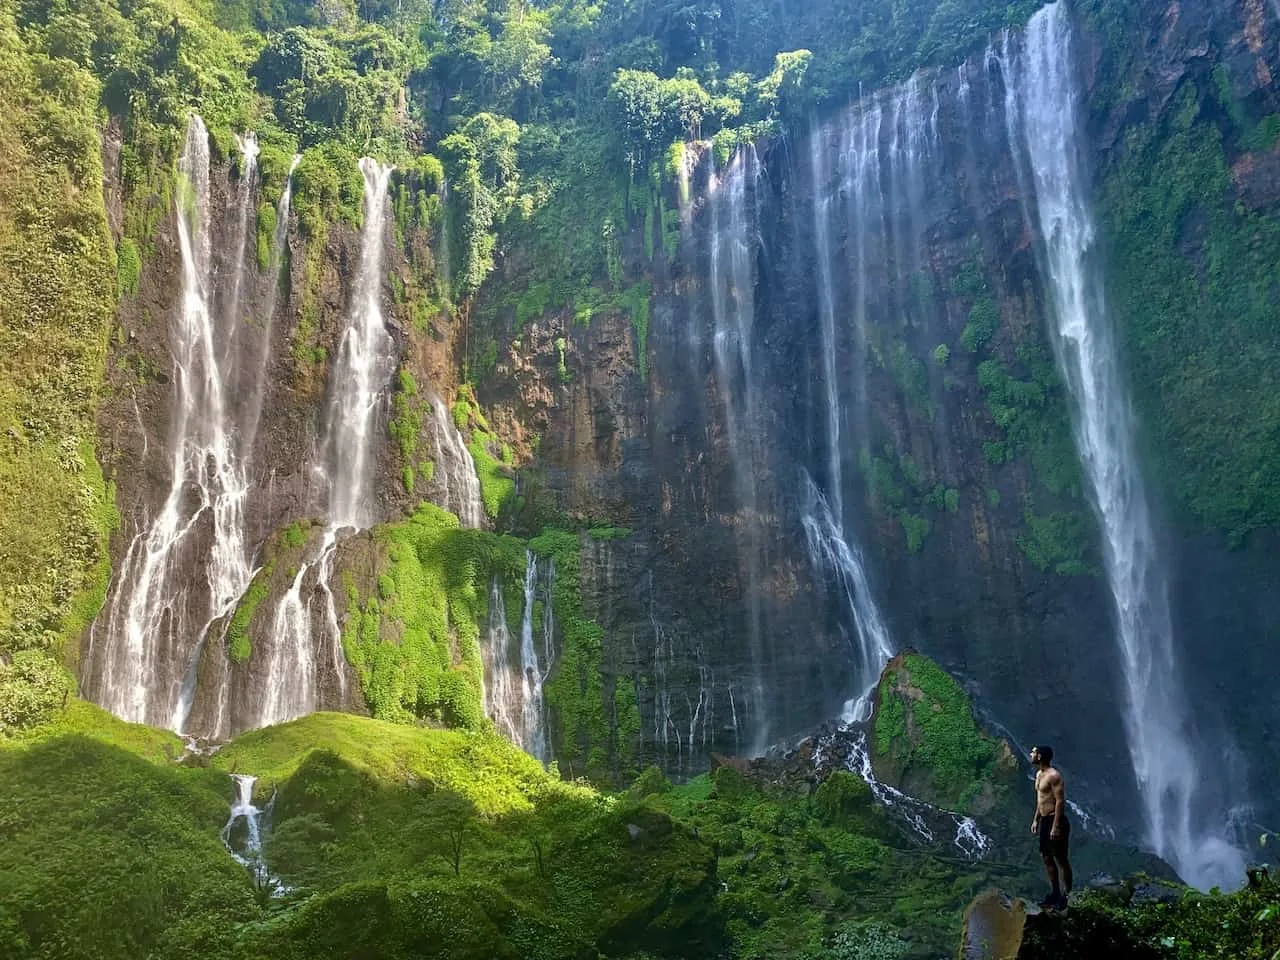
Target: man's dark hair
x,y
1046,753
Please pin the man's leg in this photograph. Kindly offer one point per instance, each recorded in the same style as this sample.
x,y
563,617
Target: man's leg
x,y
1060,854
1051,868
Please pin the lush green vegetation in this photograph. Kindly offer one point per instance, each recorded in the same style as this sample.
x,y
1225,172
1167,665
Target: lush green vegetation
x,y
1192,279
396,841
594,710
110,850
57,291
1026,400
239,644
926,738
413,636
1189,925
413,632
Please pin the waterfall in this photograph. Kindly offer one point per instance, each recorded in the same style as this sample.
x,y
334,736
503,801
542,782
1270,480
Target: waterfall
x,y
1174,777
366,358
533,730
822,203
253,416
155,624
278,244
247,849
455,472
732,252
501,701
358,387
829,550
513,693
889,139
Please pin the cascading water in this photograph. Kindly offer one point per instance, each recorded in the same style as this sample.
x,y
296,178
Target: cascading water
x,y
365,363
278,241
1173,777
829,550
873,143
822,203
366,360
155,617
246,846
733,241
533,728
455,470
513,693
249,432
501,701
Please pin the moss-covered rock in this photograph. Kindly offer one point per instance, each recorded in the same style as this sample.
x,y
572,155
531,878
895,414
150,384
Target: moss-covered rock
x,y
926,742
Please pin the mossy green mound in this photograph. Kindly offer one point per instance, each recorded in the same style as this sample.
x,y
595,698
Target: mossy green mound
x,y
393,841
494,775
107,854
926,741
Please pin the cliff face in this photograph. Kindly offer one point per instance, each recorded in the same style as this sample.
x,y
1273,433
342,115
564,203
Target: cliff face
x,y
893,247
240,451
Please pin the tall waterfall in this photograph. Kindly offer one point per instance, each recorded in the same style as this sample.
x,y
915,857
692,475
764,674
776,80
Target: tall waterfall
x,y
513,693
887,140
1174,776
305,628
830,550
156,622
220,725
734,239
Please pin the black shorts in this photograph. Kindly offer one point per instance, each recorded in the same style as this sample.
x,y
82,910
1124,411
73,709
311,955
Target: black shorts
x,y
1055,847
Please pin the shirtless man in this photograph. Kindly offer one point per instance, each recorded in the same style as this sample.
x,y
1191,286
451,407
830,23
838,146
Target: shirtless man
x,y
1052,826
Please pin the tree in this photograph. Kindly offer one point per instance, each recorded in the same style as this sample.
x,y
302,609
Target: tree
x,y
448,818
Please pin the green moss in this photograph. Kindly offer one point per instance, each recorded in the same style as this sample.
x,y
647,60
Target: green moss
x,y
609,533
266,234
57,298
594,711
415,643
153,827
984,320
1191,281
915,528
1058,542
239,645
561,370
925,728
406,421
497,487
128,267
85,719
635,300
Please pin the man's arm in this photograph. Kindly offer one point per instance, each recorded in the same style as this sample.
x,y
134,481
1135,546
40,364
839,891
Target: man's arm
x,y
1035,816
1059,804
